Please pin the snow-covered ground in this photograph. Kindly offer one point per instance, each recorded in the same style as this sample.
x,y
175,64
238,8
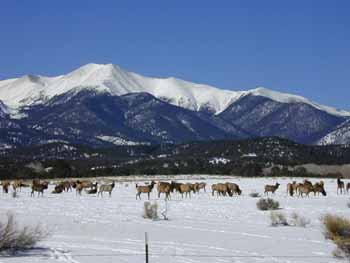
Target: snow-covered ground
x,y
201,229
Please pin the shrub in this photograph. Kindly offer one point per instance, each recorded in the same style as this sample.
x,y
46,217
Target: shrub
x,y
298,220
150,211
13,238
337,229
254,194
278,219
267,204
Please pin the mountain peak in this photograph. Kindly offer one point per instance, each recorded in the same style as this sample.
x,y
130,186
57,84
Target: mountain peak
x,y
33,89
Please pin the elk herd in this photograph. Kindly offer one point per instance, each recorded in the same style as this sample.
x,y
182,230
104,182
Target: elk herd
x,y
166,189
40,186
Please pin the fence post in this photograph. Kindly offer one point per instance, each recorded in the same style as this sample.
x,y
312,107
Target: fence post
x,y
146,246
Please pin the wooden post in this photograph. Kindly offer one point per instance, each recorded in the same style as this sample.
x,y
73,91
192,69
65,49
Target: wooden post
x,y
146,246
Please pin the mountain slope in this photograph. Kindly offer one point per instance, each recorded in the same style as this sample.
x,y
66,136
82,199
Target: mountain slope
x,y
101,104
297,121
31,89
94,118
340,135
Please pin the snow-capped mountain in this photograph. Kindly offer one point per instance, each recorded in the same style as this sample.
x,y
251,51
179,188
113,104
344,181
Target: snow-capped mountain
x,y
3,109
263,116
340,135
99,104
36,89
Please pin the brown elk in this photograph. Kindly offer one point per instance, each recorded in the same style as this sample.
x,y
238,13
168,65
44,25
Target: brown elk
x,y
58,189
146,189
347,187
319,188
66,185
199,186
292,188
220,189
80,185
39,187
271,188
165,188
305,189
186,189
17,184
78,188
340,186
307,182
93,190
234,188
175,186
106,188
5,186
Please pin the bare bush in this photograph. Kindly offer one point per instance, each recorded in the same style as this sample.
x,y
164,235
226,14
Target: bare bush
x,y
337,229
150,210
278,219
298,220
267,204
13,238
254,194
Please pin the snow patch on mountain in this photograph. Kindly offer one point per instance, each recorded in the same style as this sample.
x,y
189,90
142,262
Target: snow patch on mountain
x,y
340,135
119,141
36,89
3,109
290,98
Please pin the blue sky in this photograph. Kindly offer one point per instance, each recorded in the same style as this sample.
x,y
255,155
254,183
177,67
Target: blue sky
x,y
294,46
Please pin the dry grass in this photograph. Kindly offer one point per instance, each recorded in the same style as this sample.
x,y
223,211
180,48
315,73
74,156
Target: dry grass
x,y
337,229
298,220
14,238
278,219
150,211
267,204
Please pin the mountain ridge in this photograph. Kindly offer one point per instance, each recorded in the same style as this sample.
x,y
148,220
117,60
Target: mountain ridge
x,y
98,104
35,89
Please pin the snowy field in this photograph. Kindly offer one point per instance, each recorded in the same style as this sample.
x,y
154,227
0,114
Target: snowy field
x,y
201,229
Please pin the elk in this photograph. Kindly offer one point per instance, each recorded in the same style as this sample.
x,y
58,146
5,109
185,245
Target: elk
x,y
17,184
347,187
78,188
147,189
340,186
5,186
39,187
307,182
186,188
234,188
319,188
271,188
58,189
220,189
80,185
199,186
164,187
291,188
305,189
175,186
66,185
93,190
106,188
